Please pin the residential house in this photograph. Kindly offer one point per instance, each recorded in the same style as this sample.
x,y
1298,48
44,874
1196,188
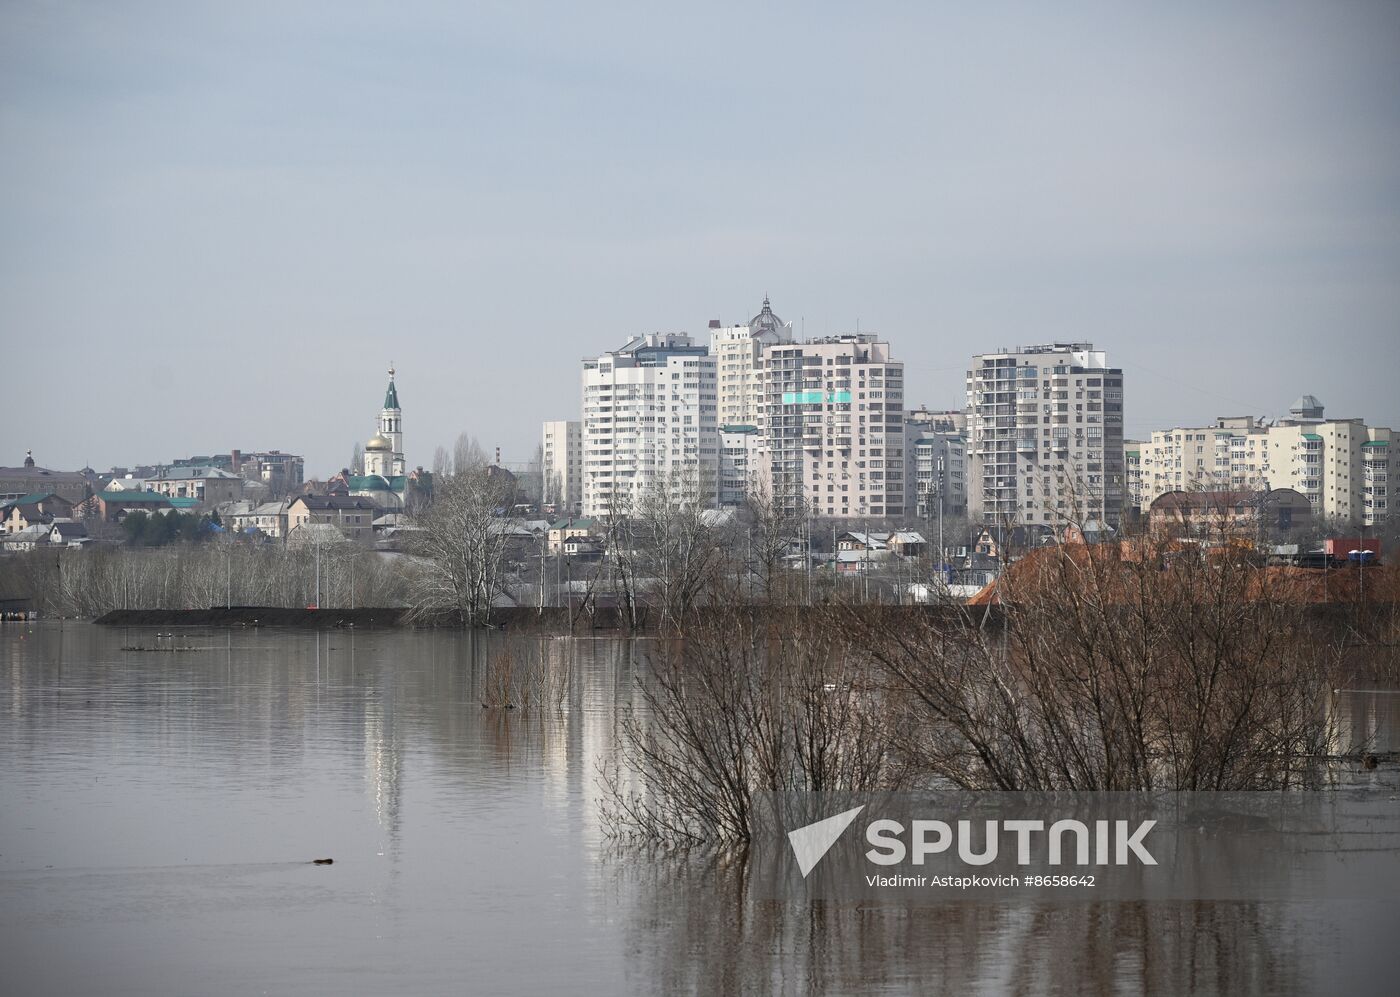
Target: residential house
x,y
67,533
561,531
36,507
269,519
353,516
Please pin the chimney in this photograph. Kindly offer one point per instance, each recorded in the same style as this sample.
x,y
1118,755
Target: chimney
x,y
236,459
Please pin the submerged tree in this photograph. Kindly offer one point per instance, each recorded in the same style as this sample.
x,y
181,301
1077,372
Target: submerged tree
x,y
740,707
1152,665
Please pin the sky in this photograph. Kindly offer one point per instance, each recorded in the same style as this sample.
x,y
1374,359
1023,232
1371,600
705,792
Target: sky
x,y
219,223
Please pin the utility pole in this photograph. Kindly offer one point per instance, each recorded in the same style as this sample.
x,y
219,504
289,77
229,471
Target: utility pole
x,y
807,522
865,579
942,570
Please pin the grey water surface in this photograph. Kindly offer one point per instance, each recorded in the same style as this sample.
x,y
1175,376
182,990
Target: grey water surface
x,y
159,813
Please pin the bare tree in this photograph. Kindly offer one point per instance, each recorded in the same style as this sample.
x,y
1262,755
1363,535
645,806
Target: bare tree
x,y
1114,667
680,539
536,467
738,708
442,462
775,529
357,459
461,540
467,454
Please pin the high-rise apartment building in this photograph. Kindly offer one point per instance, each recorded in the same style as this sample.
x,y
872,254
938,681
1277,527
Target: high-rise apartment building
x,y
833,427
738,351
816,426
935,475
1045,436
935,462
563,464
649,418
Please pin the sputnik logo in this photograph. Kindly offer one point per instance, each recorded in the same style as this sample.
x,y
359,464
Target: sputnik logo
x,y
811,842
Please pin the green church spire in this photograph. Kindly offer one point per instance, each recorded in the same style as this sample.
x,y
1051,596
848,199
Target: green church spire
x,y
391,397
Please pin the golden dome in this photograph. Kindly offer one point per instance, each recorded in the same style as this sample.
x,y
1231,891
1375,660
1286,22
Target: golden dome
x,y
378,442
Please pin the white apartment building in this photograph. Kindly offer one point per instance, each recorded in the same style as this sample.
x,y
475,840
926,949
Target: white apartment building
x,y
1343,466
649,417
738,351
1045,436
833,427
739,449
563,464
1132,474
1200,458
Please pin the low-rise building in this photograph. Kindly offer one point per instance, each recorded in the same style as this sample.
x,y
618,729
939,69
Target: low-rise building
x,y
112,506
353,516
1255,514
67,533
36,508
30,479
206,485
564,530
270,519
26,539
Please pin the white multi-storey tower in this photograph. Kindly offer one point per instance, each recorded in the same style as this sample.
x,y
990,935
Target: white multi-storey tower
x,y
833,427
1045,436
563,464
649,419
384,451
738,351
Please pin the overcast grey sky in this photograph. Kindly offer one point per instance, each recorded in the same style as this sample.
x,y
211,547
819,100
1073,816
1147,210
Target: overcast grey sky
x,y
220,222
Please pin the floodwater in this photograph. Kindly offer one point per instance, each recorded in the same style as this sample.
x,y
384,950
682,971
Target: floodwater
x,y
159,813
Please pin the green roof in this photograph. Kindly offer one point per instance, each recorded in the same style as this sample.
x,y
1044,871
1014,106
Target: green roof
x,y
150,498
1376,443
1312,436
33,497
573,524
391,397
376,482
183,502
738,429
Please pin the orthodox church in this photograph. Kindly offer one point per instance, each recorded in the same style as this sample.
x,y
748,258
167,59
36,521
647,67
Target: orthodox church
x,y
384,451
386,480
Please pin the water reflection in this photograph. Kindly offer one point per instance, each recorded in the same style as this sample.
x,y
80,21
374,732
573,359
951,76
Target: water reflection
x,y
157,811
688,913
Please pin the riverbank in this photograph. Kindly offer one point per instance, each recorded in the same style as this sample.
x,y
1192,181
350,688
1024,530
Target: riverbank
x,y
551,619
256,616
